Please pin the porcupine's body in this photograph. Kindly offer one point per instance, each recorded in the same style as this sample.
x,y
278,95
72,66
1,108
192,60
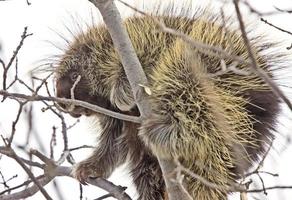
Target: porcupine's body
x,y
216,125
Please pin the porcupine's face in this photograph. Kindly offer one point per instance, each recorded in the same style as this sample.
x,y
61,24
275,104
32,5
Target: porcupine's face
x,y
69,70
63,90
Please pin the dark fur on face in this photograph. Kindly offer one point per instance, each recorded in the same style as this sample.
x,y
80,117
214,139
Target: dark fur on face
x,y
63,90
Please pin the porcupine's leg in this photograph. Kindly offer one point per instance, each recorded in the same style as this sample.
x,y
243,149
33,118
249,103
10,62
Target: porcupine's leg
x,y
143,165
147,177
108,154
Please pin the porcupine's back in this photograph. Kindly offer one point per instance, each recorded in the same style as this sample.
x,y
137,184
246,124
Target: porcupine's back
x,y
176,72
216,125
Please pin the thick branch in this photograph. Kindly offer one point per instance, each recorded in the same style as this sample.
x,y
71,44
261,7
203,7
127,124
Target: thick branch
x,y
51,171
114,190
136,77
129,59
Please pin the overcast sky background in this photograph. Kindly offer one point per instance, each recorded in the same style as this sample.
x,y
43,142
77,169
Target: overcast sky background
x,y
46,19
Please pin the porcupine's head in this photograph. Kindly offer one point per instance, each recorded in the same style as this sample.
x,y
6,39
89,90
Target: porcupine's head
x,y
77,70
92,56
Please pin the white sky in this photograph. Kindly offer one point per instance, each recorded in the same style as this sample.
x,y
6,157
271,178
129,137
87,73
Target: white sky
x,y
46,18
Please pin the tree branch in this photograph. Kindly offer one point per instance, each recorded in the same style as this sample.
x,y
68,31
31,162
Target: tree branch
x,y
254,67
136,77
84,104
51,171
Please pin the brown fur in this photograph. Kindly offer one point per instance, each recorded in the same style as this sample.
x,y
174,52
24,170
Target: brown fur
x,y
216,126
117,140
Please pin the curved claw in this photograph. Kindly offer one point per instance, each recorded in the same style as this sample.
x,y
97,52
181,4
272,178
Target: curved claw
x,y
83,171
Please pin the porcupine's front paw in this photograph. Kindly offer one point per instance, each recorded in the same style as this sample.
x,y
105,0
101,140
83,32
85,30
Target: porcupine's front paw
x,y
84,170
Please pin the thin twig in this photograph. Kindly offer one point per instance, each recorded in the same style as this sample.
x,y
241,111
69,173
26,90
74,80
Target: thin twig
x,y
15,52
234,187
276,27
268,13
14,123
289,11
253,61
25,183
84,104
72,93
29,173
53,142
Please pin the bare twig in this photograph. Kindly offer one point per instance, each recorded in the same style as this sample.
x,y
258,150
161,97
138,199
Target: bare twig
x,y
72,91
276,27
231,67
270,188
268,13
289,11
16,74
263,184
290,47
15,52
74,124
4,181
53,142
253,61
75,102
43,82
261,163
29,173
180,178
52,170
110,195
80,147
25,183
234,187
115,191
21,104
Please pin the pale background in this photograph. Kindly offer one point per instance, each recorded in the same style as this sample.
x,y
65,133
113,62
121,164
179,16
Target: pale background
x,y
46,19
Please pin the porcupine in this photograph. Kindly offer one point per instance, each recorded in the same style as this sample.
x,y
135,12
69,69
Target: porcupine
x,y
215,124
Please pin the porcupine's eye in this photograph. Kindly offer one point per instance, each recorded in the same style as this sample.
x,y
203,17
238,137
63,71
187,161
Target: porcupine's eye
x,y
74,76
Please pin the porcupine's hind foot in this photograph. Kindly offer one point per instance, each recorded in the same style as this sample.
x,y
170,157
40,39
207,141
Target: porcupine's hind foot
x,y
148,179
86,169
